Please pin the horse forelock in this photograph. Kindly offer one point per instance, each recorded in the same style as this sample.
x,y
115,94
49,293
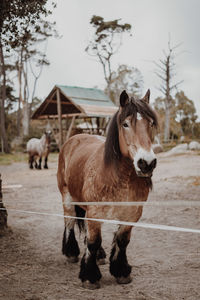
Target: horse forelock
x,y
136,106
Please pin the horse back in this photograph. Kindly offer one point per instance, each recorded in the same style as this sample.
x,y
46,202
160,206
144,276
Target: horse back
x,y
32,145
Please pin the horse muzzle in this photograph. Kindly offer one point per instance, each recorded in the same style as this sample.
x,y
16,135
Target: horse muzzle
x,y
145,169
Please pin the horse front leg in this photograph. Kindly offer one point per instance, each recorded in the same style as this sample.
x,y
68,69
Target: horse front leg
x,y
89,272
70,246
119,266
45,162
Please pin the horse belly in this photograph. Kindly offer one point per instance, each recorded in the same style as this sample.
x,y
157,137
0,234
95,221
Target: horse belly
x,y
32,146
119,212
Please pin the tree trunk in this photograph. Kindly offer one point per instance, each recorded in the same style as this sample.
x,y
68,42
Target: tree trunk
x,y
4,140
167,125
26,106
167,101
25,119
20,93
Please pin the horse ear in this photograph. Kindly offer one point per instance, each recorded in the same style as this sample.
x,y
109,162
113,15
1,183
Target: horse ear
x,y
124,99
147,96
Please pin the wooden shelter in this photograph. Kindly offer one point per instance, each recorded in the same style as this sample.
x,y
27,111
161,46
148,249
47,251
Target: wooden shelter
x,y
70,102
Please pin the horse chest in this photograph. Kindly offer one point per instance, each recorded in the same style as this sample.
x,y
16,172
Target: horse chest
x,y
124,190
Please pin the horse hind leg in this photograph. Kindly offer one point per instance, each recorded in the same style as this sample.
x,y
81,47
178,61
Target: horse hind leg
x,y
70,246
35,161
90,274
119,266
40,163
31,160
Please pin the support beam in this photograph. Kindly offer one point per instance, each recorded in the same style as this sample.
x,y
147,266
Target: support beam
x,y
59,110
70,128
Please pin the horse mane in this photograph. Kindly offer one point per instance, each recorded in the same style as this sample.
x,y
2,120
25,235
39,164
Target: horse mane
x,y
112,153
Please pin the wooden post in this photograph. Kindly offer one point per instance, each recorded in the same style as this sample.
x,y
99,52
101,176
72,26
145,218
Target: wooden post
x,y
59,110
70,127
3,212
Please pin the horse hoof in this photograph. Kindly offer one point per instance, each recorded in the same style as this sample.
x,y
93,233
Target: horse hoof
x,y
101,261
72,259
124,280
91,286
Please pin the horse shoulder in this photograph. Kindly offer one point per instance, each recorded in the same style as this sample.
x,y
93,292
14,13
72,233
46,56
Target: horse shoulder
x,y
72,158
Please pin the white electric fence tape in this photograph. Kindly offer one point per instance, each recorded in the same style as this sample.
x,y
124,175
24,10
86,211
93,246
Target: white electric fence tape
x,y
115,222
191,203
172,203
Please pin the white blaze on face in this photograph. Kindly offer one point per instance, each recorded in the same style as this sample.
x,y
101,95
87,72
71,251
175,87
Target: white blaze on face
x,y
139,117
141,153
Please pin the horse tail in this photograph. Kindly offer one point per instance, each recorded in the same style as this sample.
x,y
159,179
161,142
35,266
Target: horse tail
x,y
80,213
61,173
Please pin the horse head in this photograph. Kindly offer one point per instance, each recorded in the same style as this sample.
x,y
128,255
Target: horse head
x,y
136,127
48,136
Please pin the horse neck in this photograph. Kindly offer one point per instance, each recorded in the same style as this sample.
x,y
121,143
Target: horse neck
x,y
119,171
43,140
123,175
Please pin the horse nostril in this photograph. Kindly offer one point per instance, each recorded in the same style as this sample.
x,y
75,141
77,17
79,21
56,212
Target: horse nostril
x,y
142,164
153,163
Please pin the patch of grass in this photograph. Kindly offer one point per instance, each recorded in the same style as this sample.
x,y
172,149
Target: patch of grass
x,y
53,157
7,159
168,146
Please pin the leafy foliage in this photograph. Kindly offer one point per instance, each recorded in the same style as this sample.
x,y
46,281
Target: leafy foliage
x,y
106,42
125,78
17,15
20,24
185,113
182,118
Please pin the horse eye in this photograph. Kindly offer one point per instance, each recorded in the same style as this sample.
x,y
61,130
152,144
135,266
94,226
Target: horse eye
x,y
125,125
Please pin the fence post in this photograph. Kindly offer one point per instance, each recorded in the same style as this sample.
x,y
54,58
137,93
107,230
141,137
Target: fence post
x,y
3,213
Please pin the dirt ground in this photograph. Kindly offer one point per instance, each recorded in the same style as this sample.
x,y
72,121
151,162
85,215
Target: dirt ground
x,y
165,264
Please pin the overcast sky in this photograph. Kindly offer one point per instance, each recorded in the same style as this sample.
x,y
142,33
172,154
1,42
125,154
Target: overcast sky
x,y
152,21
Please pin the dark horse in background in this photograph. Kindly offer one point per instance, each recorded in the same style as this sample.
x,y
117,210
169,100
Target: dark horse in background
x,y
37,148
116,169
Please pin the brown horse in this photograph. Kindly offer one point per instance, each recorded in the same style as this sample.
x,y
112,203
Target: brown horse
x,y
92,169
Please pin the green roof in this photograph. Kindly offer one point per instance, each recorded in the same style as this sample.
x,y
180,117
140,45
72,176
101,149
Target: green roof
x,y
89,96
76,101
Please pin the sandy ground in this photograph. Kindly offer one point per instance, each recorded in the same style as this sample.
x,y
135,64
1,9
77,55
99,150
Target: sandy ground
x,y
166,265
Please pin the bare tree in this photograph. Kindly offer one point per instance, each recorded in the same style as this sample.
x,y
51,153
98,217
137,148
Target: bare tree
x,y
166,72
29,63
